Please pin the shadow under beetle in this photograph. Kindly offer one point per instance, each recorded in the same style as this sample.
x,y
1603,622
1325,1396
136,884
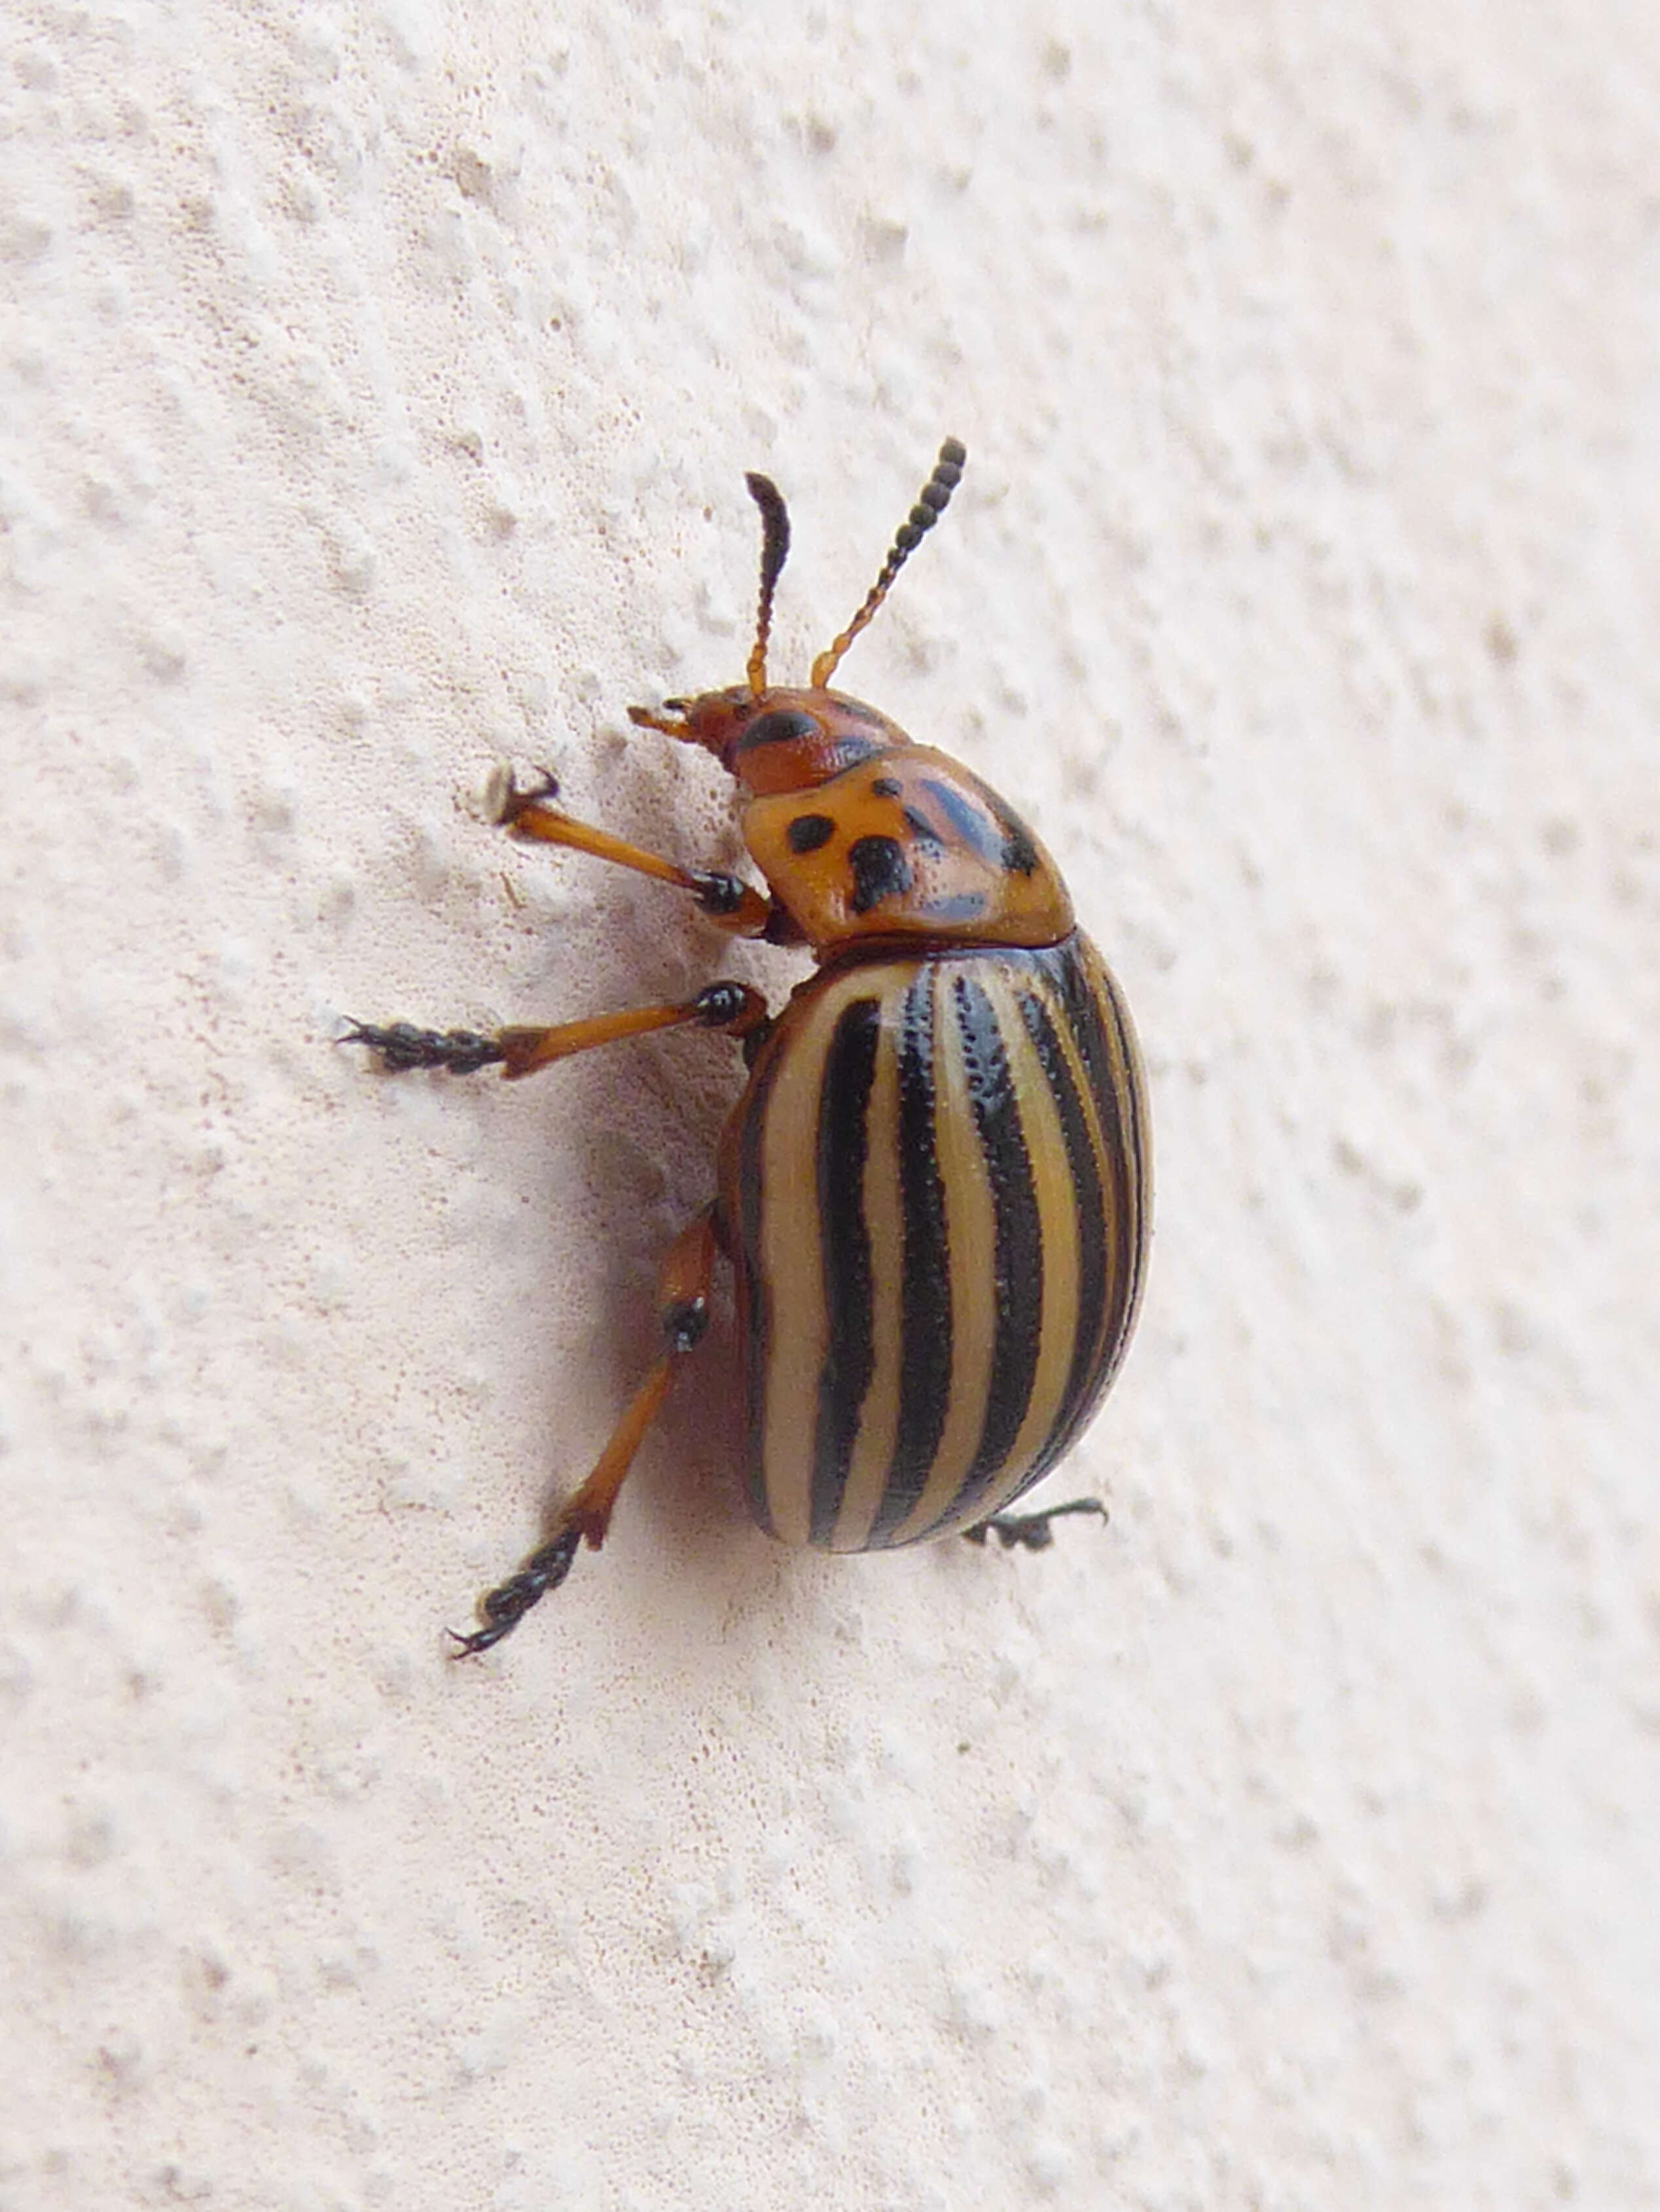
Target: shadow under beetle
x,y
935,1188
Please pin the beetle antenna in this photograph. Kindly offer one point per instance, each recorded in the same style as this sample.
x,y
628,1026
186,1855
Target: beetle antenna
x,y
774,551
931,503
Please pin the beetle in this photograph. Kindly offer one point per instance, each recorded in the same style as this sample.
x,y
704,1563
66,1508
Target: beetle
x,y
934,1191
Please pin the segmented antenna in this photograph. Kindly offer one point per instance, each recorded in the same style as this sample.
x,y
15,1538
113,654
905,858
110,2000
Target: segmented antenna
x,y
774,551
931,503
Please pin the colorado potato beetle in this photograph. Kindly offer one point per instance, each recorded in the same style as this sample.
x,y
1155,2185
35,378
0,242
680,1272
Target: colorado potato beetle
x,y
935,1189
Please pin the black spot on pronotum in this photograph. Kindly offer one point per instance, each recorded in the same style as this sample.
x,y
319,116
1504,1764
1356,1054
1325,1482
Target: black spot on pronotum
x,y
1004,839
880,871
808,832
780,728
967,823
1019,853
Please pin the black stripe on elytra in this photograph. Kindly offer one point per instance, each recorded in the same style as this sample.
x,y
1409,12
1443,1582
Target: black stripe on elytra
x,y
1090,1212
924,1315
844,1242
754,1303
921,828
1108,1068
880,871
1017,1245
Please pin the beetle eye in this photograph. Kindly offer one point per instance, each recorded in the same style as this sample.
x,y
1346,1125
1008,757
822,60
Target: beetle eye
x,y
676,706
780,727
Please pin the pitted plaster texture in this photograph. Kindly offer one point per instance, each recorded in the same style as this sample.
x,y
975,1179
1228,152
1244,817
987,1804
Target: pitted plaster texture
x,y
375,386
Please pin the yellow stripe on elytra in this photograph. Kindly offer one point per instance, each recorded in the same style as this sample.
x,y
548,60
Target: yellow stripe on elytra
x,y
792,1265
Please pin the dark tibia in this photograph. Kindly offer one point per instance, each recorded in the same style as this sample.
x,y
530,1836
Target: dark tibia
x,y
1031,1531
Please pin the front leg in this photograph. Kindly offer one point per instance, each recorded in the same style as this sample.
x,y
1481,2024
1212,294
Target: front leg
x,y
729,903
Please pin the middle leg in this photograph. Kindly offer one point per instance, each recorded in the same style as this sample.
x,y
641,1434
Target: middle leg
x,y
735,1007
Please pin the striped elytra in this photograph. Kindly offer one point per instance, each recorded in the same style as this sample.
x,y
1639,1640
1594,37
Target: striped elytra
x,y
935,1194
935,1188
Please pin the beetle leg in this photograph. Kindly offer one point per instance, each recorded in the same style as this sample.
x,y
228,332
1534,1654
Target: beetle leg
x,y
402,1045
1029,1530
733,1007
729,903
683,1292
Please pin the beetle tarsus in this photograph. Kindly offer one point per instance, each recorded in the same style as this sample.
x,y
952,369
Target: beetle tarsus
x,y
401,1046
1031,1531
503,1609
543,787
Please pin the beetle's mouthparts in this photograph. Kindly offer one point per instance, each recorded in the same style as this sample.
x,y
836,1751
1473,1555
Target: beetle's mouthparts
x,y
643,718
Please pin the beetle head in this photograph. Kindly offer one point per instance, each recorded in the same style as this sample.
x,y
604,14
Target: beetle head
x,y
774,740
778,739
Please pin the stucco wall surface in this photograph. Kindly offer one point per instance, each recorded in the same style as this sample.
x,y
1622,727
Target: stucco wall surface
x,y
377,383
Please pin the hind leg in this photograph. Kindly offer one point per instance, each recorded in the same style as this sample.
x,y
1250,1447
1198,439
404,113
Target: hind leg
x,y
1031,1531
683,1298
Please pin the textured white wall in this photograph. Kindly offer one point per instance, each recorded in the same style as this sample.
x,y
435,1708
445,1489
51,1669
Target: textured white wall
x,y
377,383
